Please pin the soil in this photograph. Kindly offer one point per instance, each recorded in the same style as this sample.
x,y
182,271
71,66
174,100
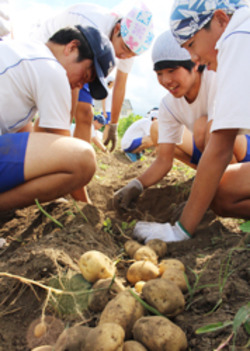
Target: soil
x,y
37,249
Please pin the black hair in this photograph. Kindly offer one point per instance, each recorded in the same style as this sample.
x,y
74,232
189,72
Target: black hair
x,y
66,35
187,64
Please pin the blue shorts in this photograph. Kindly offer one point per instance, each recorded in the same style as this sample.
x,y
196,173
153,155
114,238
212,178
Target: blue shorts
x,y
12,153
196,154
247,157
135,144
84,95
108,118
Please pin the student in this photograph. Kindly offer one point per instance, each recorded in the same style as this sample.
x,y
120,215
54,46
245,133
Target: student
x,y
131,35
217,35
138,137
184,106
36,76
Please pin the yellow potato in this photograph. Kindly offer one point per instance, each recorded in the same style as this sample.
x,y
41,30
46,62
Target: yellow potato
x,y
44,348
159,334
170,263
72,338
165,296
132,345
176,276
124,310
142,270
105,337
139,286
145,253
95,265
103,294
159,246
131,246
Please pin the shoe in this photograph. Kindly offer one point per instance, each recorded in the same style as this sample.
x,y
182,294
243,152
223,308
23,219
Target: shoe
x,y
138,155
132,157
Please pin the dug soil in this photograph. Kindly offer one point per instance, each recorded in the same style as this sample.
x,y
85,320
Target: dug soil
x,y
216,259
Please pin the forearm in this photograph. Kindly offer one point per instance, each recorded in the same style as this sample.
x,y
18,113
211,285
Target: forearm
x,y
212,165
118,95
155,172
99,144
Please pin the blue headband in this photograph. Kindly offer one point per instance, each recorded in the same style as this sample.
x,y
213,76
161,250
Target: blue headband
x,y
188,17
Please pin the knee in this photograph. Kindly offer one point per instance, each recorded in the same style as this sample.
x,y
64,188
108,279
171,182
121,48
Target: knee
x,y
220,205
84,112
85,165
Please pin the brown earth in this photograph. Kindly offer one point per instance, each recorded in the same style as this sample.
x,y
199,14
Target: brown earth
x,y
38,249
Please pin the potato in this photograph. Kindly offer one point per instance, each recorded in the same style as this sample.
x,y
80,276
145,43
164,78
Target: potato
x,y
44,348
176,276
145,253
170,263
139,286
105,337
98,299
142,270
165,296
159,246
131,246
95,265
124,310
159,334
72,339
132,345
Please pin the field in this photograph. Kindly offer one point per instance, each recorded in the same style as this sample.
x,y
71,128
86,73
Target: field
x,y
216,260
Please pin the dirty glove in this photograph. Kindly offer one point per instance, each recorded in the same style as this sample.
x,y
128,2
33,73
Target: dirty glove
x,y
130,192
112,136
145,231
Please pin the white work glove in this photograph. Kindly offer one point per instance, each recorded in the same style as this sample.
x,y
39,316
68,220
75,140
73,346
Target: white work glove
x,y
112,136
124,196
145,231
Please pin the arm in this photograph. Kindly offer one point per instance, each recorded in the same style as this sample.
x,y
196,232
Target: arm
x,y
36,128
104,108
216,157
98,143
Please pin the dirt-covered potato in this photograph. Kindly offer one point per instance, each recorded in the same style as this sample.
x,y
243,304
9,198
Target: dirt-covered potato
x,y
131,246
124,310
43,348
170,263
72,339
159,247
142,270
176,276
105,337
104,293
159,334
139,286
145,253
132,345
95,265
165,296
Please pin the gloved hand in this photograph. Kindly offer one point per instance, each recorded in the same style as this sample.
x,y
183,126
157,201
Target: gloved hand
x,y
112,136
124,196
145,231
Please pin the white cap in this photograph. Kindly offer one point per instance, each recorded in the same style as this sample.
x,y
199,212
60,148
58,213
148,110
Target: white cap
x,y
154,114
166,48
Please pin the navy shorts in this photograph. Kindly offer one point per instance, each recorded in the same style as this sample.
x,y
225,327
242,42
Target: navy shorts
x,y
247,157
84,95
12,154
134,145
196,155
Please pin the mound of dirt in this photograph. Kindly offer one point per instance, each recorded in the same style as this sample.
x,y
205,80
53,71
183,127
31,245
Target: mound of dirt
x,y
217,258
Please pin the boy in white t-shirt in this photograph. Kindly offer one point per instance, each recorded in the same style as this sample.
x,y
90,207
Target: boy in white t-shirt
x,y
131,35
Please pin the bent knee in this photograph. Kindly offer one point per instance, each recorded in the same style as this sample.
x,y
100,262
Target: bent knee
x,y
221,206
84,162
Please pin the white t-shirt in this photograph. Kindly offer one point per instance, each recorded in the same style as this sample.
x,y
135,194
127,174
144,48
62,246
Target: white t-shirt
x,y
108,101
138,129
232,107
176,113
85,14
32,79
5,25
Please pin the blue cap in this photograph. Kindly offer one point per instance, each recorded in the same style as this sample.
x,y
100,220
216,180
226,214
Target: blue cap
x,y
100,118
104,60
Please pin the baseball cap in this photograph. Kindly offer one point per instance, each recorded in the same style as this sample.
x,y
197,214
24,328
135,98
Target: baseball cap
x,y
154,113
100,119
137,29
166,48
104,60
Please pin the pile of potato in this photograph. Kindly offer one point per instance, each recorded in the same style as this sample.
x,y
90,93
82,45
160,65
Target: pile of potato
x,y
124,323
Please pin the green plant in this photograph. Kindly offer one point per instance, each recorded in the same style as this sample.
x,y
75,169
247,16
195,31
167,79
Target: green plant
x,y
59,224
125,122
126,225
242,318
245,227
107,225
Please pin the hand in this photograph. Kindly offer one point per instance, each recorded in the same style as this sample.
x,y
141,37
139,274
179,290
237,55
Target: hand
x,y
145,231
112,136
130,192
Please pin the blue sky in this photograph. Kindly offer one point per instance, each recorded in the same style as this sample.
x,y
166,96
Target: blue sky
x,y
143,89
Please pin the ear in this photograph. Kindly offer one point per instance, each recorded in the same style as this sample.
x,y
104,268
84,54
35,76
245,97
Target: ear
x,y
117,28
71,46
222,18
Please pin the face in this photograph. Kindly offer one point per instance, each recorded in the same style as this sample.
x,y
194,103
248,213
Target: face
x,y
202,45
122,51
178,81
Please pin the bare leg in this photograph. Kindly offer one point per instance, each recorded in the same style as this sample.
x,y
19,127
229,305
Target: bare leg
x,y
183,152
54,166
84,117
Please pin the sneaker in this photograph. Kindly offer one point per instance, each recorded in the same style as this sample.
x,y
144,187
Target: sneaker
x,y
132,157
